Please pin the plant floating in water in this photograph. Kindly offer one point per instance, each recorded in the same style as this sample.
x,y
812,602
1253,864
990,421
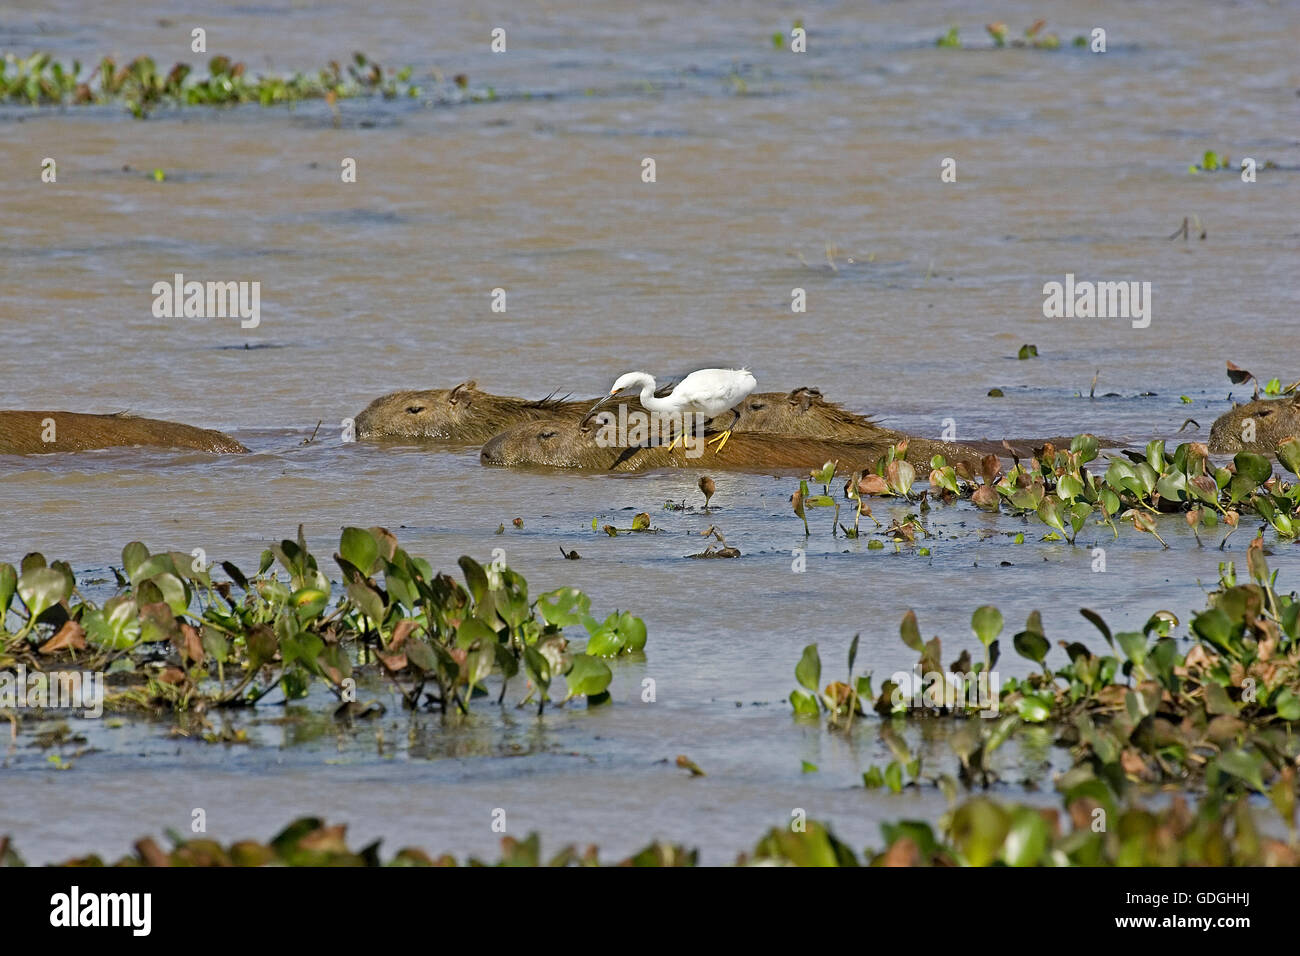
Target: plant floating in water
x,y
438,642
841,700
1034,37
1057,486
1219,714
141,87
1027,351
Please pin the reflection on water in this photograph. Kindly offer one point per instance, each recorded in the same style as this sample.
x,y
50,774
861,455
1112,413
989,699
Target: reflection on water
x,y
775,171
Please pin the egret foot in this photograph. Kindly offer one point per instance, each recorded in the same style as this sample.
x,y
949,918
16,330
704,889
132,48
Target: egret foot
x,y
674,442
721,439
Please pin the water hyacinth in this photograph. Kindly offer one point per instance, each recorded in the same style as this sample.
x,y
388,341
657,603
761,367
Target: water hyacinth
x,y
1216,715
141,86
231,642
1059,488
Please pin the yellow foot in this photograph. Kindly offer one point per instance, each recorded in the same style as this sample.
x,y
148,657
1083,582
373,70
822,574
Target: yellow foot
x,y
674,443
721,439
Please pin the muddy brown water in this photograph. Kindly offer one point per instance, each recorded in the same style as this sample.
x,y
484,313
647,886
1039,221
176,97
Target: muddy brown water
x,y
771,166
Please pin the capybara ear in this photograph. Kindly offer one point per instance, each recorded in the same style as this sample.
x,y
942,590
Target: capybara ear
x,y
454,396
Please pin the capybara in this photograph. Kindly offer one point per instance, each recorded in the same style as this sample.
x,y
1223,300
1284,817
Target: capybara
x,y
573,443
1258,426
466,415
26,433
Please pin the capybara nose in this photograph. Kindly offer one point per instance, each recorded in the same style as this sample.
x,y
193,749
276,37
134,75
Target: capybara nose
x,y
490,453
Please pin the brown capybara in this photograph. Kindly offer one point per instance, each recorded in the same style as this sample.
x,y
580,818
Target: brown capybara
x,y
466,415
26,433
1258,426
591,446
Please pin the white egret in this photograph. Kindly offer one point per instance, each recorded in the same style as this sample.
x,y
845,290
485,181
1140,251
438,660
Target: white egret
x,y
709,392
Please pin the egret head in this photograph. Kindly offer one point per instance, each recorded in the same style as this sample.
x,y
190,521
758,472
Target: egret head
x,y
624,383
631,380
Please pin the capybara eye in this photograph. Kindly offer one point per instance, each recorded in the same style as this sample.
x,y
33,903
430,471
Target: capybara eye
x,y
1265,412
546,435
415,409
757,406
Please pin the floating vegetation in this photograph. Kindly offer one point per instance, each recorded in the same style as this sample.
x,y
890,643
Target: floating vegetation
x,y
1137,488
1214,162
139,85
1034,37
1239,376
1218,715
184,641
977,832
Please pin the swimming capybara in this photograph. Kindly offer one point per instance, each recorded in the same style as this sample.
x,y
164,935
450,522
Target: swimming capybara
x,y
35,433
573,443
1258,426
466,415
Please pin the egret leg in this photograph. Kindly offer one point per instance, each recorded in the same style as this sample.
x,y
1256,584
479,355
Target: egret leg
x,y
674,442
722,438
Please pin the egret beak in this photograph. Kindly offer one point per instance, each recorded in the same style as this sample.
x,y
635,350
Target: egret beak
x,y
591,411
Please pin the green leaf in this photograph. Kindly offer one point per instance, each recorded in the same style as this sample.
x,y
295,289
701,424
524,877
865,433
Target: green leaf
x,y
605,640
986,622
1086,446
1033,708
1245,766
8,588
1287,704
472,629
1288,453
1255,467
1134,646
804,703
1031,645
41,589
979,827
564,607
367,599
588,676
1027,839
809,669
360,548
115,626
134,555
910,632
476,579
308,603
538,667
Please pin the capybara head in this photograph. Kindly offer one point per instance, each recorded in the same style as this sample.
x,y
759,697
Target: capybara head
x,y
802,412
460,414
1258,426
550,442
